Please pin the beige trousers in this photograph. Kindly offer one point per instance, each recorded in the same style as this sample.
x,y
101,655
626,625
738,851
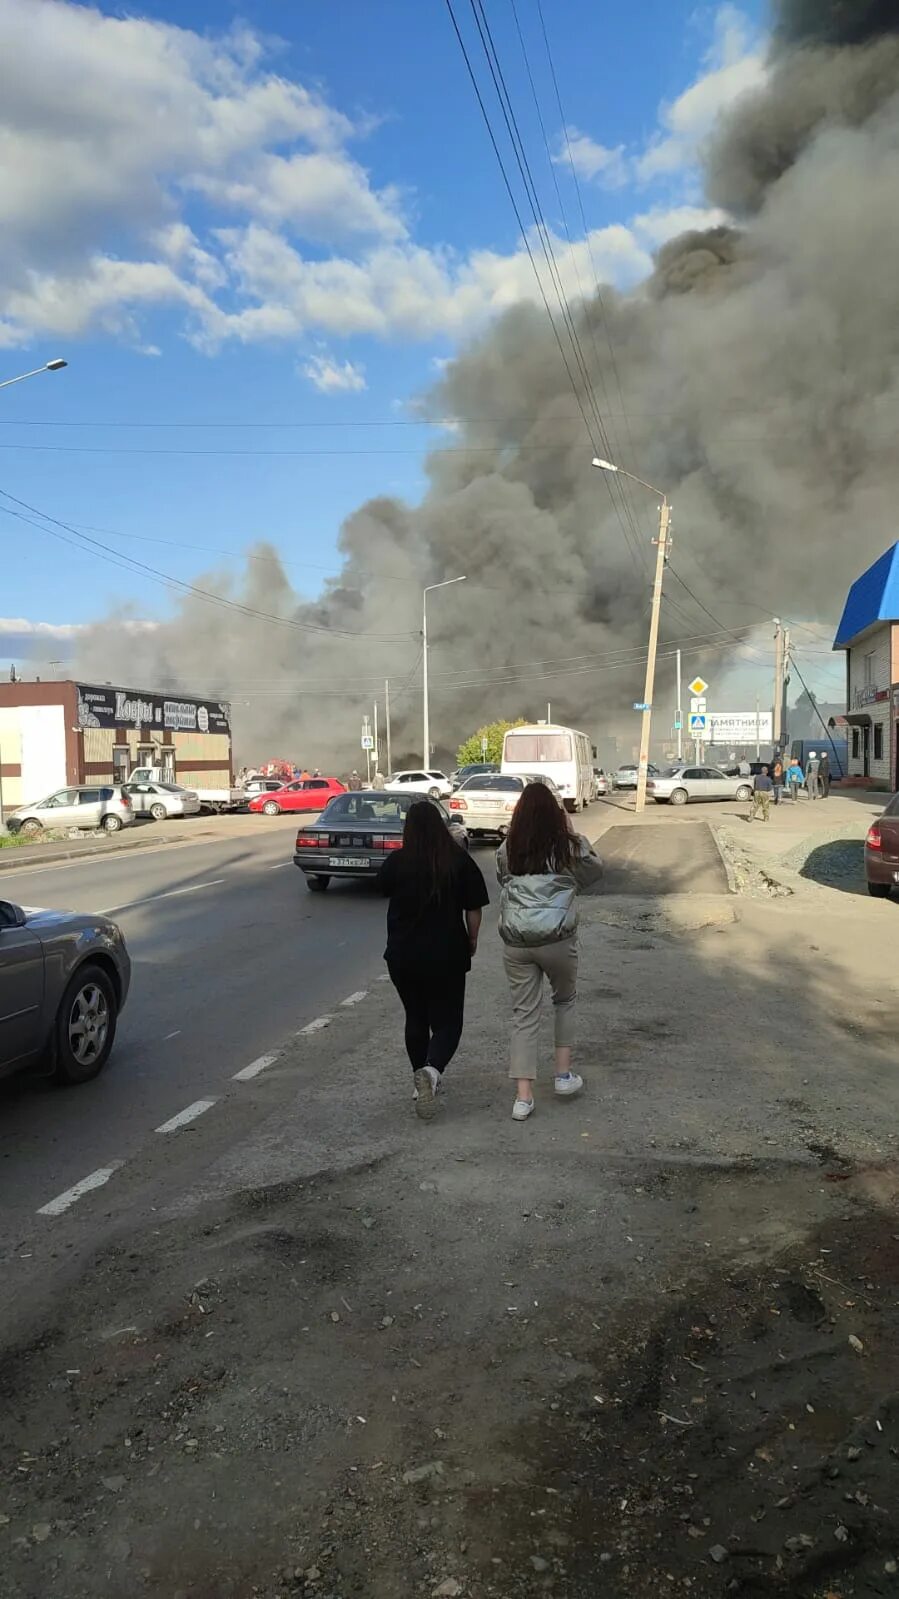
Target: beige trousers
x,y
526,969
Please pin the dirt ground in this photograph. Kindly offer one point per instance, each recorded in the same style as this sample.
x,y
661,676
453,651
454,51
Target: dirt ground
x,y
643,1344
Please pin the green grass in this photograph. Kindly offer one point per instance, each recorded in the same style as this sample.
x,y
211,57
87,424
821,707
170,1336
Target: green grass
x,y
13,840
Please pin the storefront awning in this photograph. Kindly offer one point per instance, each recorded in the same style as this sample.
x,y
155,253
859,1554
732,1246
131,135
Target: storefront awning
x,y
858,718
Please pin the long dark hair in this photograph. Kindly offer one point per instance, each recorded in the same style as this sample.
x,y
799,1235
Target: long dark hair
x,y
429,848
539,839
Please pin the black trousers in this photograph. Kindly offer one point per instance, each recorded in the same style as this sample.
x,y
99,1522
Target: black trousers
x,y
434,1001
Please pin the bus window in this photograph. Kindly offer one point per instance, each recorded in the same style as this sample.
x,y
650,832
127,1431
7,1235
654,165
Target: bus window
x,y
525,747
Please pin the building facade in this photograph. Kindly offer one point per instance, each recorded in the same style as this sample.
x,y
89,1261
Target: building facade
x,y
869,635
52,734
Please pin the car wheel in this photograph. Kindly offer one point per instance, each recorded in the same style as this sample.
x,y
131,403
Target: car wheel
x,y
32,826
158,812
85,1026
271,808
744,792
317,885
880,890
112,824
678,796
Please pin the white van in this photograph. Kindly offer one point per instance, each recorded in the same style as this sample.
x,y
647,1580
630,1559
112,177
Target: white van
x,y
562,753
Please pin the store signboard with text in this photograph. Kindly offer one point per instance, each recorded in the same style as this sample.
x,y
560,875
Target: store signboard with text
x,y
739,727
104,706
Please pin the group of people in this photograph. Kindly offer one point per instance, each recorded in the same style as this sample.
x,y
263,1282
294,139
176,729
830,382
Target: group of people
x,y
770,781
437,894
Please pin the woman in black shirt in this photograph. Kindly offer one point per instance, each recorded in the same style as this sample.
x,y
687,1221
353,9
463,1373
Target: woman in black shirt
x,y
436,896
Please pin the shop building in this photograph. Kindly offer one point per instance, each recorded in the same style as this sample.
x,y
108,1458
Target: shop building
x,y
53,734
869,634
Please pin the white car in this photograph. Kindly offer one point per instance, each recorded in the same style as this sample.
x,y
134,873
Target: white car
x,y
162,800
437,784
679,785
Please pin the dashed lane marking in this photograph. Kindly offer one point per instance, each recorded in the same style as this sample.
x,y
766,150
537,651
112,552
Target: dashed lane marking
x,y
280,866
189,1114
353,999
175,1034
96,1179
316,1026
254,1068
152,899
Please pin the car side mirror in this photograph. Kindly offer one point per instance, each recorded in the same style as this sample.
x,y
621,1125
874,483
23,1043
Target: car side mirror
x,y
11,915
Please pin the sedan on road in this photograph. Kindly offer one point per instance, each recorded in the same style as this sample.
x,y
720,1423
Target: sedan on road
x,y
79,806
678,785
485,804
882,852
626,775
305,794
474,769
434,783
162,800
64,977
356,832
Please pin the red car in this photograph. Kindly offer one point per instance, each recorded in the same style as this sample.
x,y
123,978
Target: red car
x,y
306,794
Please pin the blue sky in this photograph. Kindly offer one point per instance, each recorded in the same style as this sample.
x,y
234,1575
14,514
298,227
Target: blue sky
x,y
287,212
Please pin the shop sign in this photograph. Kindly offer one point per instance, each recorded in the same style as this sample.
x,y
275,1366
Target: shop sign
x,y
121,707
869,694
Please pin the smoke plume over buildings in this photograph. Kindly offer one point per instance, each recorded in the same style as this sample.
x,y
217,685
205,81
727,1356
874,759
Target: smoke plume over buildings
x,y
755,378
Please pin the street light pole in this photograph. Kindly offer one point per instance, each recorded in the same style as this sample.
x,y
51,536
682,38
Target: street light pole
x,y
662,546
49,366
426,720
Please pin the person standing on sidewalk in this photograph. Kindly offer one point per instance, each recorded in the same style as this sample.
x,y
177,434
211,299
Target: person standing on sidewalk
x,y
795,778
812,781
777,778
824,775
437,894
541,866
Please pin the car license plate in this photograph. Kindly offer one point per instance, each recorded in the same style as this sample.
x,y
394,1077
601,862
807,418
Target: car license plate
x,y
348,860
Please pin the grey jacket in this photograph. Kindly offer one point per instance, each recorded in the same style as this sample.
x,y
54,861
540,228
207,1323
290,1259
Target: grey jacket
x,y
542,908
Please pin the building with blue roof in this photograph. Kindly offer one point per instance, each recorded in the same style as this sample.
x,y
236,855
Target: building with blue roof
x,y
869,634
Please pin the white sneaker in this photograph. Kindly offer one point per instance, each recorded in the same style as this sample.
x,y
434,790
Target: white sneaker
x,y
424,1094
522,1109
571,1083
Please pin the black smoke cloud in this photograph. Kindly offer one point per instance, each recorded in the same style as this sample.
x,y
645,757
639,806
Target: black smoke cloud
x,y
758,373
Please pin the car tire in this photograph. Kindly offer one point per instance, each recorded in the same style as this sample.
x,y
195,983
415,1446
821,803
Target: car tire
x,y
112,824
744,792
31,826
91,992
678,796
271,808
880,890
158,812
317,884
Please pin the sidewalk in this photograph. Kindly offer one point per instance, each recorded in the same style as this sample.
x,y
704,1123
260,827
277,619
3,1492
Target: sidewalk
x,y
606,1351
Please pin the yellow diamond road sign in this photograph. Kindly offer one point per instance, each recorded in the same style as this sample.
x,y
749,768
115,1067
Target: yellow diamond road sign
x,y
698,686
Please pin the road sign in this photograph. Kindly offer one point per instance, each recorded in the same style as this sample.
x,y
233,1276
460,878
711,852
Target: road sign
x,y
697,705
483,746
698,685
641,705
368,742
697,722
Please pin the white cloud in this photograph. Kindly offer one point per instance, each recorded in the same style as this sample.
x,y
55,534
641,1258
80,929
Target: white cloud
x,y
733,65
591,160
334,377
654,228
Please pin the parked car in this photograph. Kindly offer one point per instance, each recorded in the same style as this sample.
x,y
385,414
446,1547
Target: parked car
x,y
162,800
215,799
882,852
108,807
601,784
474,769
626,776
485,804
434,783
260,785
64,977
305,794
355,833
679,784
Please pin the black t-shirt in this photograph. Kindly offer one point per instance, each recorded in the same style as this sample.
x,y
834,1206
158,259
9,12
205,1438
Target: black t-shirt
x,y
433,933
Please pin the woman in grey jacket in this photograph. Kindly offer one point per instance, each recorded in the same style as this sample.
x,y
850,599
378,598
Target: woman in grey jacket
x,y
541,867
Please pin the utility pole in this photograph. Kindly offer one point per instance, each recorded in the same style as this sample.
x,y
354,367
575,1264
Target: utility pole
x,y
777,714
758,729
678,715
377,761
649,686
426,716
387,721
784,719
549,712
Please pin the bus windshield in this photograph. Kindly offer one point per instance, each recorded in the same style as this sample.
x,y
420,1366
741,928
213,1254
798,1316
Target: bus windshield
x,y
522,748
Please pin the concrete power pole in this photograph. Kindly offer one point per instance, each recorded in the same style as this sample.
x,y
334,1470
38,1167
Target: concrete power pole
x,y
387,722
777,715
784,719
649,686
678,715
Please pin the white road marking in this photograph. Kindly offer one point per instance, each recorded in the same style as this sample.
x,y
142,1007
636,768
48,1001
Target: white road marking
x,y
353,999
316,1026
254,1068
189,1114
172,893
280,866
384,977
97,1178
175,1034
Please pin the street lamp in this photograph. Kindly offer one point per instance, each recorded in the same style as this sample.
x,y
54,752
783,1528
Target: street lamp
x,y
426,727
662,545
49,366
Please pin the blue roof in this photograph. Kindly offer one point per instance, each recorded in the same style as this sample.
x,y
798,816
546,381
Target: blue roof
x,y
873,598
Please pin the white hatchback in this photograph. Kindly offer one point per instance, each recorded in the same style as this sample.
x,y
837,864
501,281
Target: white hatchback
x,y
437,784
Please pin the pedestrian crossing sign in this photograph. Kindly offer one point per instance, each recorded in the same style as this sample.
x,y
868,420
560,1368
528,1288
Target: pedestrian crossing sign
x,y
697,723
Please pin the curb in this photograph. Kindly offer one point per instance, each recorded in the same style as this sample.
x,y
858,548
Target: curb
x,y
726,862
34,855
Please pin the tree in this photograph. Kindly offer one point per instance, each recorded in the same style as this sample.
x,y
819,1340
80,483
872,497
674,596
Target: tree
x,y
473,748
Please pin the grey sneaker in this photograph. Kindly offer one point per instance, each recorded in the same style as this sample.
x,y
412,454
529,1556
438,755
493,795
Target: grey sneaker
x,y
522,1109
571,1083
427,1087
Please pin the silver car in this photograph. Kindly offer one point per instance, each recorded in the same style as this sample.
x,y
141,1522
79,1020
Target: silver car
x,y
64,977
485,804
678,785
108,807
161,800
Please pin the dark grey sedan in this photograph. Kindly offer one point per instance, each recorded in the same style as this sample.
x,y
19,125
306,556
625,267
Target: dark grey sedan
x,y
64,977
356,832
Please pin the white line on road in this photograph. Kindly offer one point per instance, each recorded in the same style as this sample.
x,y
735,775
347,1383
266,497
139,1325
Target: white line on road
x,y
280,866
254,1068
189,1114
97,1178
316,1026
353,999
175,1034
172,893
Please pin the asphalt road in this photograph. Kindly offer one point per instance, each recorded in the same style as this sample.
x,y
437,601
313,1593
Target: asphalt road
x,y
231,955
